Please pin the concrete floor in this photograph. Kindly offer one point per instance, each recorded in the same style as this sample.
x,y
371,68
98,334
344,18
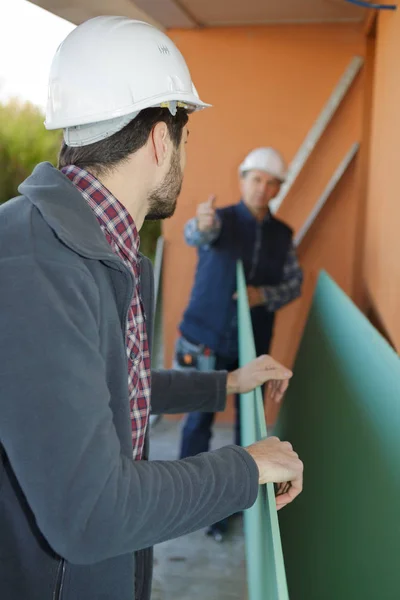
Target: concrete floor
x,y
195,567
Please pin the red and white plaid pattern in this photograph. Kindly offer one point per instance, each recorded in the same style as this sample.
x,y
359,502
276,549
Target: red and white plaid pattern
x,y
123,237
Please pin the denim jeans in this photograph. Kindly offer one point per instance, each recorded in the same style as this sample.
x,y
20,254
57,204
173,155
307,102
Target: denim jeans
x,y
197,430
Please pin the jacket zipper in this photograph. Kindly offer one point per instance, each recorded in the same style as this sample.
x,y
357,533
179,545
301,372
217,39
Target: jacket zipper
x,y
59,581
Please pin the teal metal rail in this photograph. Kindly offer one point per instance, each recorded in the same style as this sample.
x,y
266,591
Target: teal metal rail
x,y
265,566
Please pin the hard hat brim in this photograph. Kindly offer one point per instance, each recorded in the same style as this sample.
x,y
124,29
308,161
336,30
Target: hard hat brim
x,y
193,103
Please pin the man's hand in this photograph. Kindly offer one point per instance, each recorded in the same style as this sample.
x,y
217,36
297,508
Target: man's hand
x,y
257,372
255,296
206,214
278,463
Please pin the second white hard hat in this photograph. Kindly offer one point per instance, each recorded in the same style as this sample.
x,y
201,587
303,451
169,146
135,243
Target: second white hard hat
x,y
267,160
109,69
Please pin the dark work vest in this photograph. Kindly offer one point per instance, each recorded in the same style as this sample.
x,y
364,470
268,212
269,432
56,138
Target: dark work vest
x,y
210,318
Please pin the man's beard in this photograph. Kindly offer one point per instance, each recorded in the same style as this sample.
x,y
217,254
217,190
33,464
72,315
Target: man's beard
x,y
163,199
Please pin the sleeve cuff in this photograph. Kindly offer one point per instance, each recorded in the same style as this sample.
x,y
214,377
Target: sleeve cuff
x,y
254,475
221,393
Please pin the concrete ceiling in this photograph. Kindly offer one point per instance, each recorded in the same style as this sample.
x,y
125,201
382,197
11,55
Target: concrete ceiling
x,y
78,11
209,13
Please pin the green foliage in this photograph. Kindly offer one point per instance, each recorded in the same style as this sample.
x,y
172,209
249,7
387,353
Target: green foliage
x,y
24,142
149,234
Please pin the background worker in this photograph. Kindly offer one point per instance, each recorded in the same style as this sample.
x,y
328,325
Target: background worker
x,y
249,232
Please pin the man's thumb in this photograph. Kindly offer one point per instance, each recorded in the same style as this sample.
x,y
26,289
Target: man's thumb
x,y
211,201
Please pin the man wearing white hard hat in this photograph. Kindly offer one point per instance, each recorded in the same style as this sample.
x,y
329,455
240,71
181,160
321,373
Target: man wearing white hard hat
x,y
80,506
246,231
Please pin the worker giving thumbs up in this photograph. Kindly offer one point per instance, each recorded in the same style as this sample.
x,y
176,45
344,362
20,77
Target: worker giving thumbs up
x,y
206,214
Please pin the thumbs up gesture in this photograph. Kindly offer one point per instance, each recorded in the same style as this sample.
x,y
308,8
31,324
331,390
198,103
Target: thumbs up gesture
x,y
206,214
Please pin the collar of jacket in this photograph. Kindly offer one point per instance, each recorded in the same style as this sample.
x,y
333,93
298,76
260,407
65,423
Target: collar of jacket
x,y
246,214
65,210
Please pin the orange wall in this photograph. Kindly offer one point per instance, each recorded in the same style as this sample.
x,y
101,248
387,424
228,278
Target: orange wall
x,y
268,85
382,270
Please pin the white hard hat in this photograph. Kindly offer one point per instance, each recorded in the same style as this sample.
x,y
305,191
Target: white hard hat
x,y
265,159
109,69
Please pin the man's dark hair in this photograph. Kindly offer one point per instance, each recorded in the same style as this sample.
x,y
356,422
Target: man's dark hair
x,y
102,157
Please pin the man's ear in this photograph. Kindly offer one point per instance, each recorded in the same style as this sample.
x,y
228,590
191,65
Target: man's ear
x,y
160,141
